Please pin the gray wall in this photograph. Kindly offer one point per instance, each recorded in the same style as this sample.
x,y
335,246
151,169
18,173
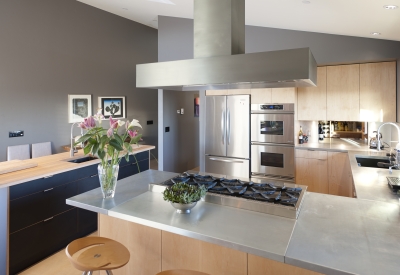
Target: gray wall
x,y
52,48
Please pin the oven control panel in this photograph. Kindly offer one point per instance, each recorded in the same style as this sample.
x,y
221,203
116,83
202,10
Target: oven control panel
x,y
271,107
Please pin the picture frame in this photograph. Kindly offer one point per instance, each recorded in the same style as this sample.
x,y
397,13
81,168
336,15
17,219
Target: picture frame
x,y
79,107
112,105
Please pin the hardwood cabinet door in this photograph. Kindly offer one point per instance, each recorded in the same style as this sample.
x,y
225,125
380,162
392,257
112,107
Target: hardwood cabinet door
x,y
339,173
179,252
215,92
283,95
343,92
238,92
313,173
378,92
311,101
261,96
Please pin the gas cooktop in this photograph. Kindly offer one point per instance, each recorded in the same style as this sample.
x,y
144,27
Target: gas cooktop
x,y
261,195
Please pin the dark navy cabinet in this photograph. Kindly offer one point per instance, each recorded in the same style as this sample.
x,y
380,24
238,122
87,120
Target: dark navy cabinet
x,y
41,223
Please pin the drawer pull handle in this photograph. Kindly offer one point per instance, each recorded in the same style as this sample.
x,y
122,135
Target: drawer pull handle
x,y
47,190
92,176
46,220
48,177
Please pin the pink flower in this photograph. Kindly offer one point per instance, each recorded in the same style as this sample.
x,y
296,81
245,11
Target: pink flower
x,y
113,123
110,132
82,125
90,122
132,134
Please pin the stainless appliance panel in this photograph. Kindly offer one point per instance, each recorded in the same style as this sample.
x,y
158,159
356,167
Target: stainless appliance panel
x,y
216,125
228,166
238,126
272,128
272,160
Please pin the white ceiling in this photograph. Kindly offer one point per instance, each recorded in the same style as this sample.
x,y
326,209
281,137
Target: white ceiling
x,y
345,17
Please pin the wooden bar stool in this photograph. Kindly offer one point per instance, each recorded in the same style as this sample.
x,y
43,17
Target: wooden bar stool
x,y
105,254
181,272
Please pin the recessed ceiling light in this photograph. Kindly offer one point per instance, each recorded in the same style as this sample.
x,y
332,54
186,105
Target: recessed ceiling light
x,y
306,2
390,7
375,33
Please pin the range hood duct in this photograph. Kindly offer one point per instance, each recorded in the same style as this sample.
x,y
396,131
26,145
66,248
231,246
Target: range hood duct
x,y
220,61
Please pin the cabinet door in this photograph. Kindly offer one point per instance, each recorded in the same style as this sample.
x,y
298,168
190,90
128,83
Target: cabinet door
x,y
313,173
261,96
311,101
378,92
215,92
283,95
343,92
33,244
238,92
339,172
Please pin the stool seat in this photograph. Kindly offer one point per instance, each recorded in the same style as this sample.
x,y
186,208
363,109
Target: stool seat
x,y
101,254
181,272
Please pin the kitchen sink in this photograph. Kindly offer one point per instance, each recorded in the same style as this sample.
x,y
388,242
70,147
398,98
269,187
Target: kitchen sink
x,y
370,161
81,159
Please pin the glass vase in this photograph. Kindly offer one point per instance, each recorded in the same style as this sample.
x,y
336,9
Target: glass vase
x,y
108,179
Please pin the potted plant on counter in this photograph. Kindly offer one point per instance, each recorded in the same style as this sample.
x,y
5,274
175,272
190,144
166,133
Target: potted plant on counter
x,y
110,145
183,196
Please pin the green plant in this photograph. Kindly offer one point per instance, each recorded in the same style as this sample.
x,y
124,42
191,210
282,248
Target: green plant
x,y
184,193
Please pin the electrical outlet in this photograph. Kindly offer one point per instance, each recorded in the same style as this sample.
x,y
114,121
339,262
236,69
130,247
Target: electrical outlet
x,y
149,122
182,111
178,111
166,129
13,134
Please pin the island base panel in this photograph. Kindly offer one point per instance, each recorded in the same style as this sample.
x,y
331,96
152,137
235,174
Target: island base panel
x,y
143,243
179,252
263,266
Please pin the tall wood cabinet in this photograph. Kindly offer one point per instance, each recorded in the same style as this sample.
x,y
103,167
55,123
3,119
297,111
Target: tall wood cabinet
x,y
378,91
311,101
343,92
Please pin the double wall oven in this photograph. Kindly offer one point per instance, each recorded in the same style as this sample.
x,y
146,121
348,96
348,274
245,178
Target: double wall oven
x,y
272,141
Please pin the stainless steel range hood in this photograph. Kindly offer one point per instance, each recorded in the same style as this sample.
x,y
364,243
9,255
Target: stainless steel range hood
x,y
219,59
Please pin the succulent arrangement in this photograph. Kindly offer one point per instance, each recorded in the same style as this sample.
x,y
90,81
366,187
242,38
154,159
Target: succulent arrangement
x,y
184,193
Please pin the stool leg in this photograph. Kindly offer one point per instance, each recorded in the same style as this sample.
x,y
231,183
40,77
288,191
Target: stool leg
x,y
109,272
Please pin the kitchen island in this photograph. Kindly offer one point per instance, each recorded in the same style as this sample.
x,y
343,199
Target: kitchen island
x,y
35,222
332,235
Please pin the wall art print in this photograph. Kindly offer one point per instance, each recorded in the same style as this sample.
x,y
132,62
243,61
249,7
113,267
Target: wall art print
x,y
113,106
79,107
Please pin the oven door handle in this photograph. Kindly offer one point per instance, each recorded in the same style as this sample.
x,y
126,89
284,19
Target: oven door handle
x,y
271,144
226,160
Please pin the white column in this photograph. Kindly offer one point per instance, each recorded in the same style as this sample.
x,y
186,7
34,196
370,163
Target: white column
x,y
160,129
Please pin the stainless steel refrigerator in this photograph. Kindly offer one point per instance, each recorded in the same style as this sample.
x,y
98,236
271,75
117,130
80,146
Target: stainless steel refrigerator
x,y
228,135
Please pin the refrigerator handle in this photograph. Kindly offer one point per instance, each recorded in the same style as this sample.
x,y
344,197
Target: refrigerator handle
x,y
227,160
229,126
223,125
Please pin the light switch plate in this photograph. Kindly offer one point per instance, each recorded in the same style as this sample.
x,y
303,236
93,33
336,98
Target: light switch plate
x,y
178,111
182,111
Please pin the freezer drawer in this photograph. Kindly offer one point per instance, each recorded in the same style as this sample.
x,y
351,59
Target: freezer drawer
x,y
228,166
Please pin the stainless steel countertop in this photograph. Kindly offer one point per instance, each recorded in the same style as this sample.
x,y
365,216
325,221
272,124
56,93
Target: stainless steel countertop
x,y
338,235
251,232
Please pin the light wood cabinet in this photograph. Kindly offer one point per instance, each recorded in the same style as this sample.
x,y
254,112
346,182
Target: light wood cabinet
x,y
343,92
179,252
273,95
143,243
259,265
311,101
339,174
216,92
378,92
312,170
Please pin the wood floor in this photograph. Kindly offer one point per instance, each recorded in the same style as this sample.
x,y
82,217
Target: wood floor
x,y
57,264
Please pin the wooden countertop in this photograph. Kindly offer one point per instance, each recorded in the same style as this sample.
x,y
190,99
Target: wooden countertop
x,y
53,164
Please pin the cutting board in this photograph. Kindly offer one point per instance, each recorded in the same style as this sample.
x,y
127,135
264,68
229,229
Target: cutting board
x,y
16,165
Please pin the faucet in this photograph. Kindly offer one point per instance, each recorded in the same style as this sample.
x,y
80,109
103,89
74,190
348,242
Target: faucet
x,y
73,149
397,154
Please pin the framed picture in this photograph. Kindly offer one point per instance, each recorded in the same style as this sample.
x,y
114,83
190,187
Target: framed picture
x,y
79,107
113,106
